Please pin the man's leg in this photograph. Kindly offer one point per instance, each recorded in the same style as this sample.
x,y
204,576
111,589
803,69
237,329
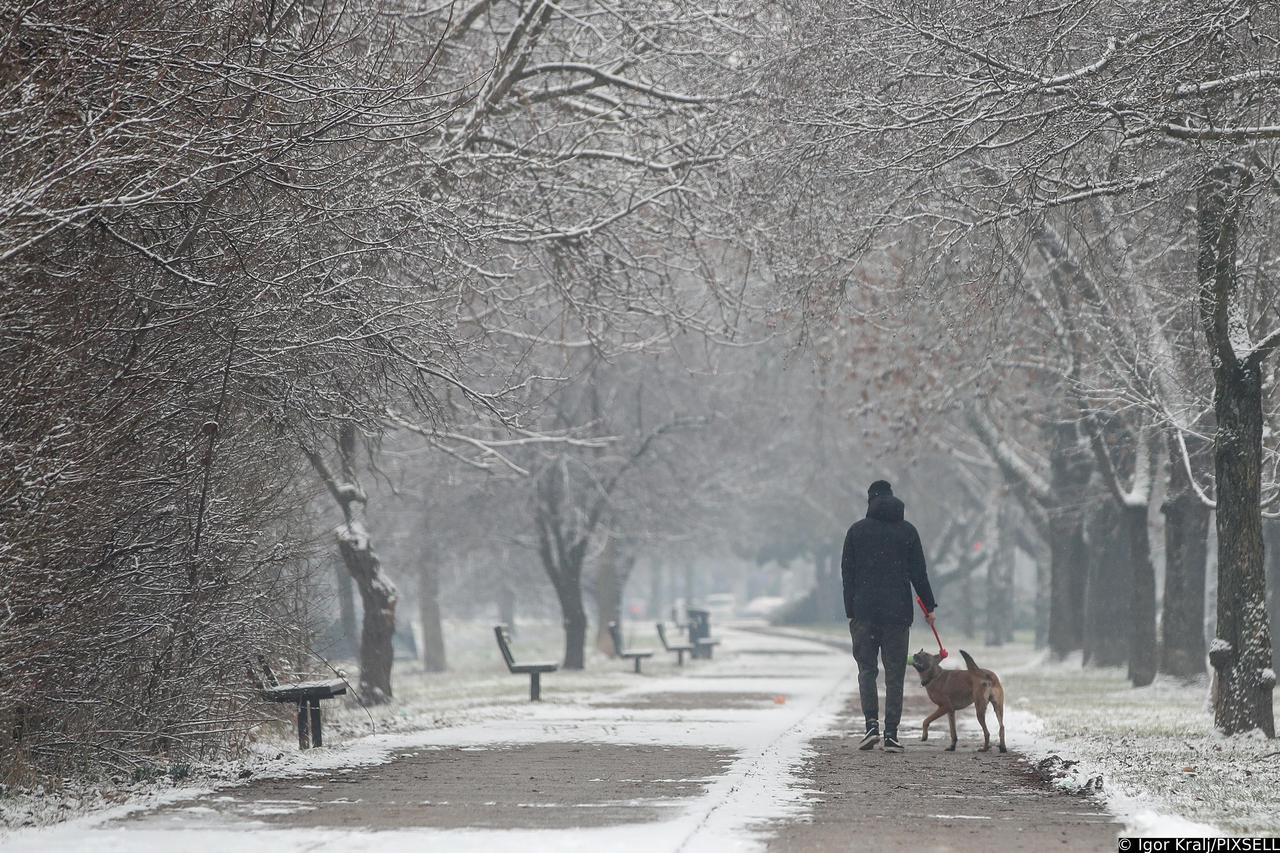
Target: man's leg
x,y
893,649
866,647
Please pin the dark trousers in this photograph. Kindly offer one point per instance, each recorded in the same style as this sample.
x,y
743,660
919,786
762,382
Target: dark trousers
x,y
889,642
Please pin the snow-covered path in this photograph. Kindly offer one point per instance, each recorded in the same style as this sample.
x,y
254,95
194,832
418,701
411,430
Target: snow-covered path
x,y
686,762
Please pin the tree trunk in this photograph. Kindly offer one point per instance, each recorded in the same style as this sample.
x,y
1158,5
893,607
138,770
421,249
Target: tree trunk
x,y
378,597
657,596
1142,596
1069,471
507,606
1109,591
346,604
1000,578
377,592
1271,538
433,651
1186,535
829,589
562,557
1241,652
569,591
965,609
1042,598
608,598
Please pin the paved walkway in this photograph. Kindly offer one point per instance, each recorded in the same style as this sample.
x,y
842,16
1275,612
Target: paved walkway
x,y
927,799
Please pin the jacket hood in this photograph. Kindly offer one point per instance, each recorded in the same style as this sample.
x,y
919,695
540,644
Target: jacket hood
x,y
886,508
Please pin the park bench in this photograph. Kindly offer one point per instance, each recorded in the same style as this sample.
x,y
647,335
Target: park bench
x,y
307,695
633,655
678,648
706,645
533,670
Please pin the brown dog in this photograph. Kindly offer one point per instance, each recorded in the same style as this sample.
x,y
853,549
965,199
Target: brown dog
x,y
953,689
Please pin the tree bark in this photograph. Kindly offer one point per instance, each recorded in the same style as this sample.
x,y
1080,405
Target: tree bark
x,y
1036,549
829,589
1108,595
377,592
378,596
434,658
1142,601
1069,472
965,609
1186,549
507,606
608,597
562,555
657,595
1271,538
616,565
1241,652
346,603
569,591
1000,578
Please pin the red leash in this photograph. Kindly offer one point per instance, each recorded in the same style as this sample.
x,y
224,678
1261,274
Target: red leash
x,y
942,653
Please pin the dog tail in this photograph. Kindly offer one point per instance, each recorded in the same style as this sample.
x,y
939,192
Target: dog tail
x,y
968,661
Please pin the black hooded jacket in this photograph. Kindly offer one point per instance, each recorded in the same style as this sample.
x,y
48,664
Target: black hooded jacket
x,y
882,560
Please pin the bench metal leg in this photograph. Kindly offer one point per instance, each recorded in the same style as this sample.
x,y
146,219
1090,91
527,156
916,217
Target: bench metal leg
x,y
679,657
637,664
315,723
304,736
535,687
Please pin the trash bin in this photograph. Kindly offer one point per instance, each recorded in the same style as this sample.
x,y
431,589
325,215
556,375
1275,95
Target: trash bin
x,y
699,629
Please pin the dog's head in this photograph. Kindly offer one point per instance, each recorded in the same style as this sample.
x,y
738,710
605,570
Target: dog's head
x,y
923,661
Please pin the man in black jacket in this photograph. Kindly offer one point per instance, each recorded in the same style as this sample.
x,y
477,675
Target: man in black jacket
x,y
882,560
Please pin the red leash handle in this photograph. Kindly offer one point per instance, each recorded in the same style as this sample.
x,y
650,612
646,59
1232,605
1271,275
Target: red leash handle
x,y
942,653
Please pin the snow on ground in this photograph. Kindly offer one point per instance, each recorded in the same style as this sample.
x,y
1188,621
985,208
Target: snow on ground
x,y
477,687
1164,769
768,742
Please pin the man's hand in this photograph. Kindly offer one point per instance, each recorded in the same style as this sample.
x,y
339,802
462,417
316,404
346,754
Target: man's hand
x,y
929,617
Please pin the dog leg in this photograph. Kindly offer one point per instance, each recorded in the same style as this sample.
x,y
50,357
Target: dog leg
x,y
997,699
924,727
981,707
951,718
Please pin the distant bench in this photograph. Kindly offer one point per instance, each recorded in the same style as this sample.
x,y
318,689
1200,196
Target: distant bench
x,y
678,648
533,670
633,655
306,694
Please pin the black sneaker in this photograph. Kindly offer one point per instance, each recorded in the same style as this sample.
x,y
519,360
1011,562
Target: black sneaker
x,y
869,740
891,743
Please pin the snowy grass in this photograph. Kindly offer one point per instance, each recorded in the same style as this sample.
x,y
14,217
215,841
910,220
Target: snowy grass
x,y
1164,769
477,681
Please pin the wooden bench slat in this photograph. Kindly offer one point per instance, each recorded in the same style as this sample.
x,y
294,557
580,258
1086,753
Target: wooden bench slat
x,y
304,690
